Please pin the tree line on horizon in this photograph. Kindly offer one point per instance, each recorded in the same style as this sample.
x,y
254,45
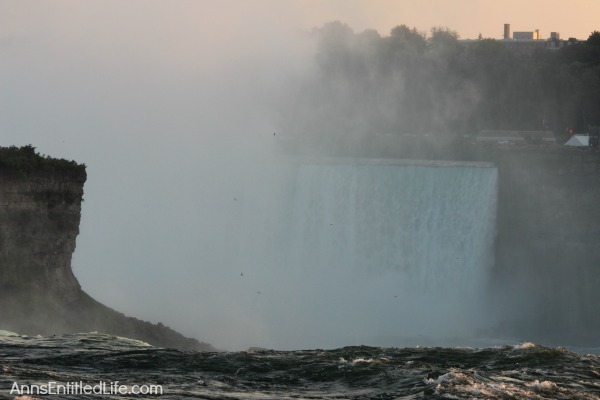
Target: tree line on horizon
x,y
412,83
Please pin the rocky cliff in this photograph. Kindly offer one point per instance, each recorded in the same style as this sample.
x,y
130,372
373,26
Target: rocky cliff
x,y
40,209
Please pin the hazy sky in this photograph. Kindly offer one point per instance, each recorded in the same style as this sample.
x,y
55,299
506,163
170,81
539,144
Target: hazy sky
x,y
170,105
468,17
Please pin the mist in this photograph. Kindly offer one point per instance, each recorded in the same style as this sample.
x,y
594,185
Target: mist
x,y
179,113
168,106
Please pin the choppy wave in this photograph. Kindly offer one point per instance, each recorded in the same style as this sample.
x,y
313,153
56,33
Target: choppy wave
x,y
525,371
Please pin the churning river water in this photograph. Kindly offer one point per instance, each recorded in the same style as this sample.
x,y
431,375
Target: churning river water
x,y
96,366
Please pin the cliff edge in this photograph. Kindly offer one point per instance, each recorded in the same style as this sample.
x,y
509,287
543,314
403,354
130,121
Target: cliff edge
x,y
40,211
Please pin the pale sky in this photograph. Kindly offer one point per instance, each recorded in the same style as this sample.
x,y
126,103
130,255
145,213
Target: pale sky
x,y
577,18
170,106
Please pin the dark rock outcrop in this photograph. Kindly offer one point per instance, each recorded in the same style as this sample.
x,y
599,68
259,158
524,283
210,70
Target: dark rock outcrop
x,y
40,210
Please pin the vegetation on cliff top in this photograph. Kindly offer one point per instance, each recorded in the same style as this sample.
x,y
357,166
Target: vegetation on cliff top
x,y
25,160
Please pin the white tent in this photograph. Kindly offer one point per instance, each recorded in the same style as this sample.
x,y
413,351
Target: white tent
x,y
578,141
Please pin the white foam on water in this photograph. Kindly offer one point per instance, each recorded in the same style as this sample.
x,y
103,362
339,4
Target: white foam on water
x,y
544,386
525,345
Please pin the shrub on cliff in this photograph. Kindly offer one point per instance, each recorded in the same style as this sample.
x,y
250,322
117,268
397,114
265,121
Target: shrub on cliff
x,y
25,160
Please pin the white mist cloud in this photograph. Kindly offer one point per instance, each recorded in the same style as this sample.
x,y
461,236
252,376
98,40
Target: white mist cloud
x,y
165,102
170,105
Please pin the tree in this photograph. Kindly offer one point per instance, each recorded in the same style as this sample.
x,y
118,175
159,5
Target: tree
x,y
441,36
593,39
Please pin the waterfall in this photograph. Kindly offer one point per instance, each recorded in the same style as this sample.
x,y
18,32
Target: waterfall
x,y
369,252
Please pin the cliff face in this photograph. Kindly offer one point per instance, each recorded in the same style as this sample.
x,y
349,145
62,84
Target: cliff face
x,y
40,216
40,209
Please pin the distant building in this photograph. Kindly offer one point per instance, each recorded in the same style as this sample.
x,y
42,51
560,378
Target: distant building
x,y
527,41
524,36
556,43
